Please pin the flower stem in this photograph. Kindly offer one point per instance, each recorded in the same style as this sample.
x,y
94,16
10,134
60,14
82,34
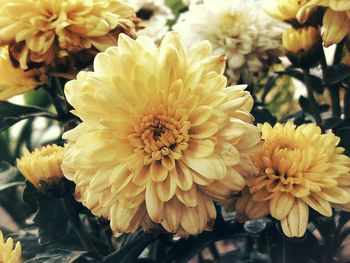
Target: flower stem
x,y
347,104
312,102
287,251
77,227
55,91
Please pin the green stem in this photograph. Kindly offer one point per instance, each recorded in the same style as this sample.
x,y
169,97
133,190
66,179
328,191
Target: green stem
x,y
332,89
313,105
55,91
287,251
76,224
347,104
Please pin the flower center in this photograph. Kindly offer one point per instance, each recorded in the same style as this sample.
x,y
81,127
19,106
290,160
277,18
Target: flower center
x,y
159,136
230,20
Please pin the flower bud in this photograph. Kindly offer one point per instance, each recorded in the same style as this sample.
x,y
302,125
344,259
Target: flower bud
x,y
42,167
303,45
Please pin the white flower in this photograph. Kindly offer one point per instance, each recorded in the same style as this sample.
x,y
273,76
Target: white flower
x,y
238,29
154,15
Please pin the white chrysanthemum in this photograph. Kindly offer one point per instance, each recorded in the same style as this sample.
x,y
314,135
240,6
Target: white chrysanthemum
x,y
154,15
238,29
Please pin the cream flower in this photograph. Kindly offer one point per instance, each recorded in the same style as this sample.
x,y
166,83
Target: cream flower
x,y
298,168
161,137
41,31
15,81
238,29
42,164
8,254
283,10
154,16
336,20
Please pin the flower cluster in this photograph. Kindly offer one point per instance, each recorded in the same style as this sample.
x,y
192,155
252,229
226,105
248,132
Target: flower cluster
x,y
161,138
44,32
237,29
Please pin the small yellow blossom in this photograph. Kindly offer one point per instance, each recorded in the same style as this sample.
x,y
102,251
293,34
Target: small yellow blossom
x,y
15,81
43,31
298,168
336,20
42,164
302,39
284,10
8,254
161,137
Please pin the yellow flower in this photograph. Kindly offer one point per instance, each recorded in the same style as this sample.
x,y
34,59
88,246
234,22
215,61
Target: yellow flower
x,y
284,10
8,254
298,167
41,31
42,164
336,20
302,39
15,81
161,136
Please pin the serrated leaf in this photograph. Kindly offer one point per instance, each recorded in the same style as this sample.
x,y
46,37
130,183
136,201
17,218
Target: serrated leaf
x,y
12,113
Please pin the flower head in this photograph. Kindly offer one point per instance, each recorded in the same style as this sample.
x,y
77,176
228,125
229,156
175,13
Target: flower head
x,y
161,136
284,10
300,40
42,165
154,16
298,168
238,29
8,254
15,81
43,31
336,20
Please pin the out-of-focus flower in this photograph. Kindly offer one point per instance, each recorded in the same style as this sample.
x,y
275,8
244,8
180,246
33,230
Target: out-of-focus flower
x,y
161,138
154,16
336,20
44,31
42,165
300,40
298,168
238,29
8,253
284,10
15,81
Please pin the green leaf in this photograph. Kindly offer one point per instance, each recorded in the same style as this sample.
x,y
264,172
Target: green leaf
x,y
49,216
336,74
12,113
7,173
316,81
59,256
131,250
343,133
305,105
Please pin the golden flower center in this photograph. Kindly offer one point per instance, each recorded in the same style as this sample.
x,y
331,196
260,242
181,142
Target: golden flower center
x,y
160,136
230,20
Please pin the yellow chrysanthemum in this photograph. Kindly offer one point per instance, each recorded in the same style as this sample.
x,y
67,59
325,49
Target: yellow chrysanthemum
x,y
284,10
298,167
41,31
301,39
15,81
8,254
42,164
336,20
161,136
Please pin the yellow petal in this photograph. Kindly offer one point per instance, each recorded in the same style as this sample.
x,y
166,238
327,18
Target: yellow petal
x,y
281,205
320,205
153,203
336,27
295,223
